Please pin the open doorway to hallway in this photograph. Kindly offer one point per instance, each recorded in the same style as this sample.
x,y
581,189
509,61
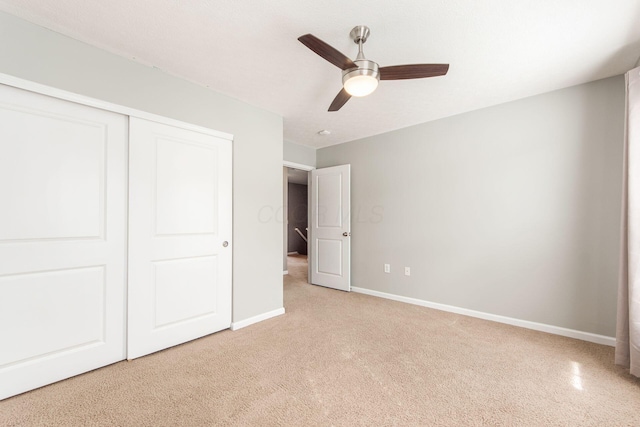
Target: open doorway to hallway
x,y
296,223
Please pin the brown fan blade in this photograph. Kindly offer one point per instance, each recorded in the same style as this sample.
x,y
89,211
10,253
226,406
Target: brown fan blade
x,y
413,71
327,52
339,100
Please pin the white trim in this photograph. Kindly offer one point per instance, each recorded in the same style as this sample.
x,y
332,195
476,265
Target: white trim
x,y
255,319
300,166
104,105
285,272
556,330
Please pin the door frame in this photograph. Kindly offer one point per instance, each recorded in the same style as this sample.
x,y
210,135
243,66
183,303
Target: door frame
x,y
285,216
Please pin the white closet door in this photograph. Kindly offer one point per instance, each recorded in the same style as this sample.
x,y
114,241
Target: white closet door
x,y
179,236
62,239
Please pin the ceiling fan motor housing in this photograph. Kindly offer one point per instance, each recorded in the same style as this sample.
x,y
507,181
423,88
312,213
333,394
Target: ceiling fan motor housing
x,y
360,33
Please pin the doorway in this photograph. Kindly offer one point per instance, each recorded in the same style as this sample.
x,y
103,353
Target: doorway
x,y
327,232
296,223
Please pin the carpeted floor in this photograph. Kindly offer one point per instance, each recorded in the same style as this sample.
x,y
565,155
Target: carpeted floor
x,y
348,359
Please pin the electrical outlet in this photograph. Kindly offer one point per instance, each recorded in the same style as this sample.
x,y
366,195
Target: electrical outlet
x,y
407,271
387,268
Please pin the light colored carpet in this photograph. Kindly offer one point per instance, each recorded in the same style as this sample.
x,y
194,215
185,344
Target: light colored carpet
x,y
349,359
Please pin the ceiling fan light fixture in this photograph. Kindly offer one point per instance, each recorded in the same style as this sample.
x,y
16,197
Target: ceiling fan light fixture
x,y
363,80
360,85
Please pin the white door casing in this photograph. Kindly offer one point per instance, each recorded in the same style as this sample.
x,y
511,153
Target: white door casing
x,y
331,227
180,207
62,239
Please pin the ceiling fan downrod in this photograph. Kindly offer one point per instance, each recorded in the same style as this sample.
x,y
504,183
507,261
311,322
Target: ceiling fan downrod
x,y
359,35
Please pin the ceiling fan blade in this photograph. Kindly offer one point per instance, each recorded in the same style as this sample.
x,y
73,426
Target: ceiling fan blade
x,y
327,52
413,71
339,100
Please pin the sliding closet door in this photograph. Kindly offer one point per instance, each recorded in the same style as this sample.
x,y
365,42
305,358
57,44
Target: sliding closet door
x,y
62,239
179,236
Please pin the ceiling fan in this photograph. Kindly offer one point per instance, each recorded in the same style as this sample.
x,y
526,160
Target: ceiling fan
x,y
360,77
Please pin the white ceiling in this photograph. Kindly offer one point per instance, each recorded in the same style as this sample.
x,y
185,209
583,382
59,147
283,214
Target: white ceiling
x,y
499,50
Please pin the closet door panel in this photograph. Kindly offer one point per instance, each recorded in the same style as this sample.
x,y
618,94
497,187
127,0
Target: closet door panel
x,y
62,239
180,236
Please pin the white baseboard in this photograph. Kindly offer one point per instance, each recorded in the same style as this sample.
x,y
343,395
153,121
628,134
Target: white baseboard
x,y
293,253
556,330
255,319
285,272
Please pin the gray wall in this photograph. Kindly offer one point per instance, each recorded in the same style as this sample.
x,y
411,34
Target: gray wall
x,y
40,55
297,217
297,153
512,210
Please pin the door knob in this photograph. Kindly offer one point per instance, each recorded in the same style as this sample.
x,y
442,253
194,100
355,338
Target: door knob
x,y
225,244
345,234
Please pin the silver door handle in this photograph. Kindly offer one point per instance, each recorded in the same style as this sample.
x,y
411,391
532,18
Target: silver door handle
x,y
225,244
346,234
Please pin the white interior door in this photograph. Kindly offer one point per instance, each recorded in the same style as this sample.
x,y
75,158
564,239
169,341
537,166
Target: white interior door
x,y
62,239
179,236
331,227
